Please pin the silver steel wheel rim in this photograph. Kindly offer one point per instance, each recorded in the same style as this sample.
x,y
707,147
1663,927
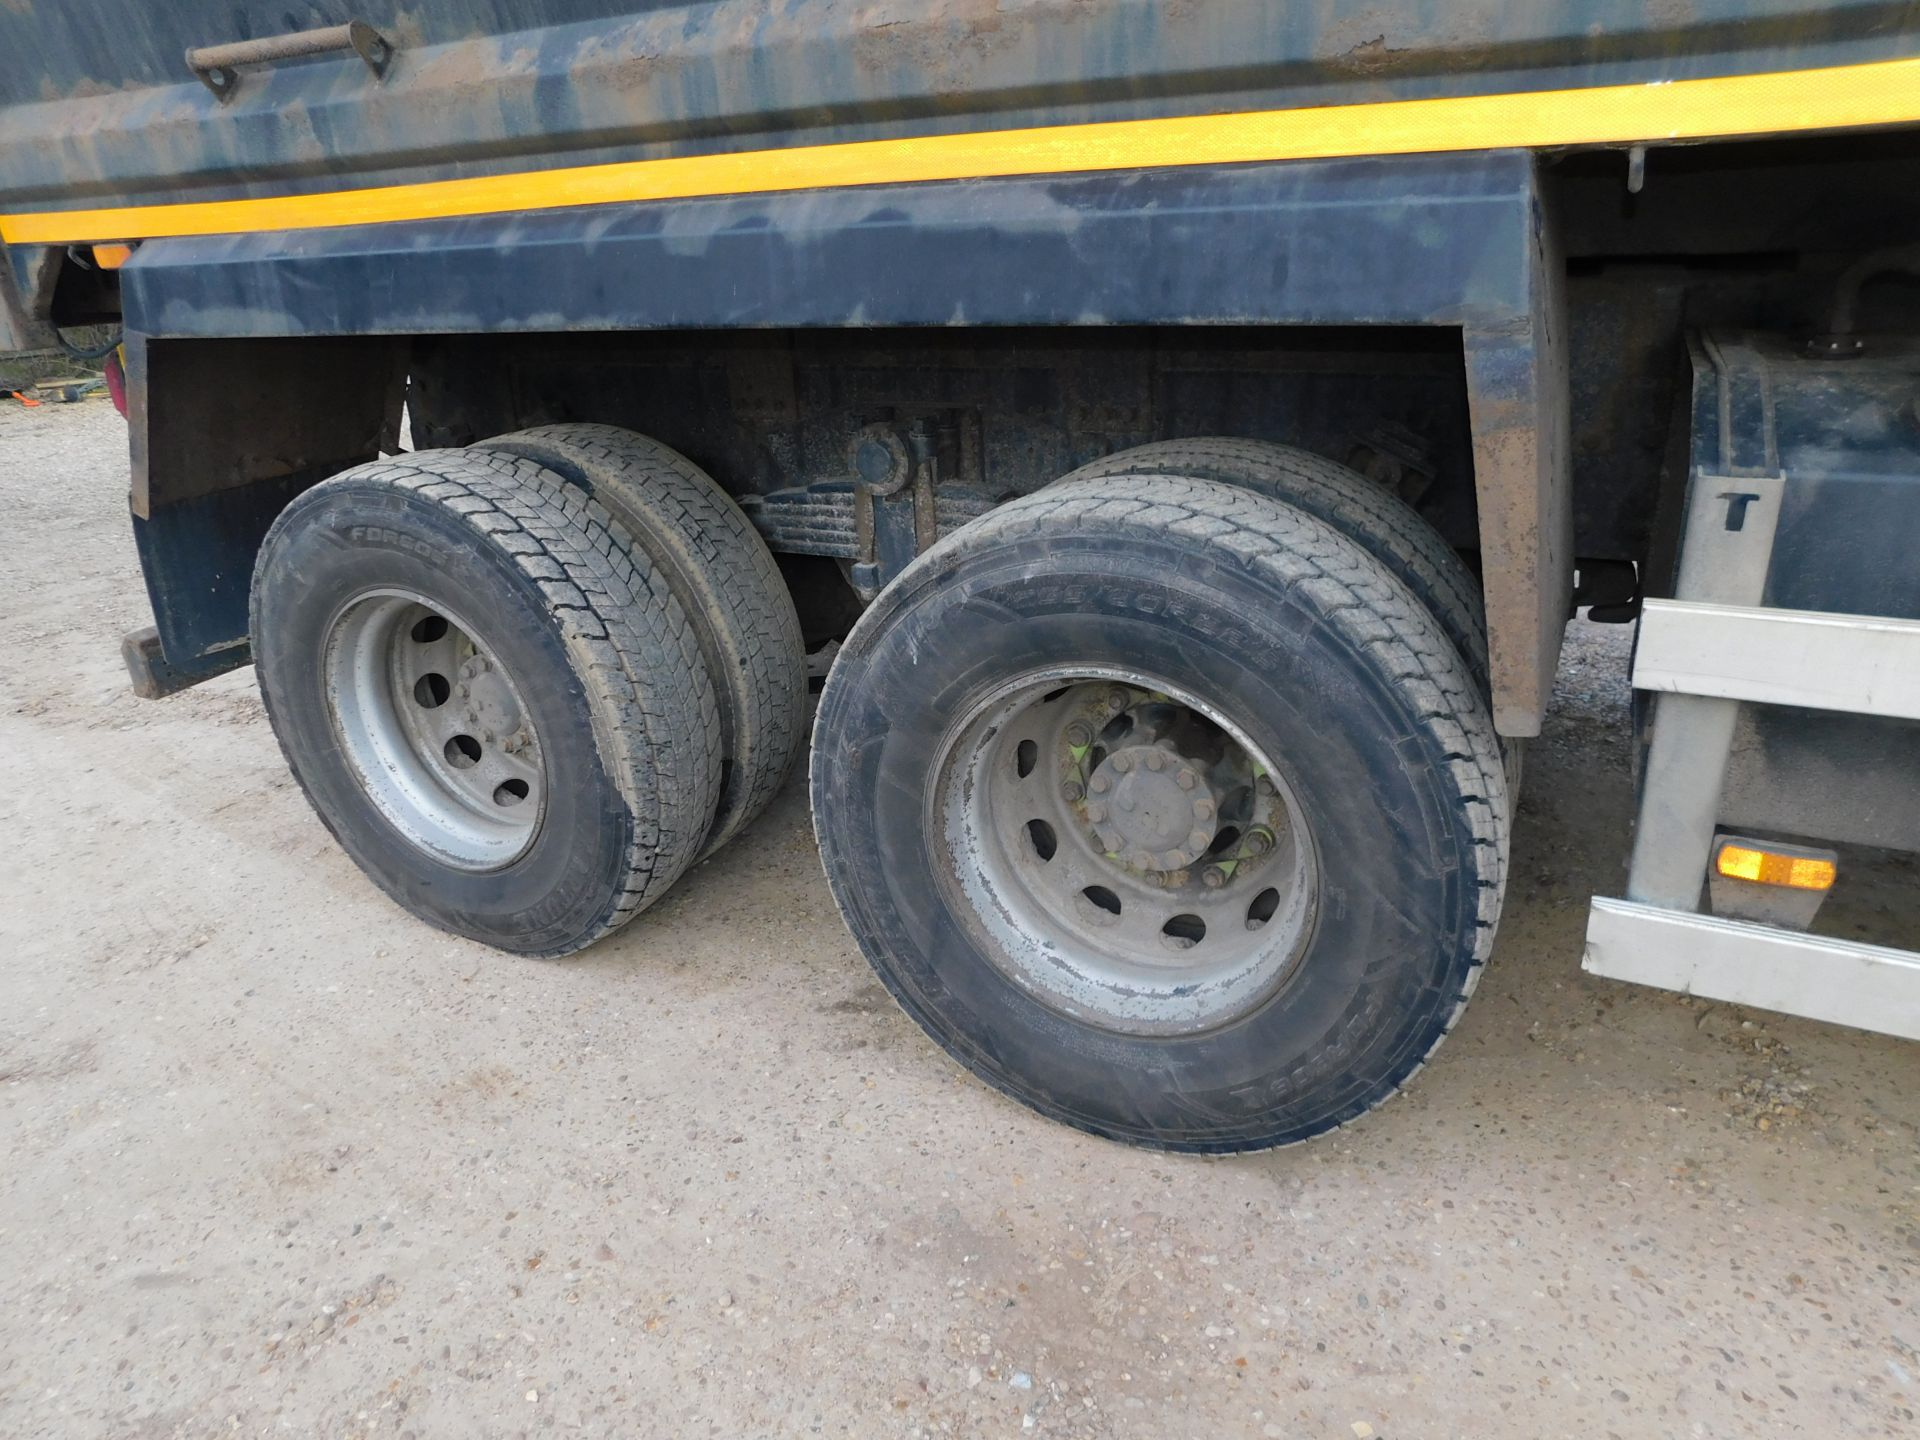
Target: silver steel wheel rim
x,y
435,729
1123,851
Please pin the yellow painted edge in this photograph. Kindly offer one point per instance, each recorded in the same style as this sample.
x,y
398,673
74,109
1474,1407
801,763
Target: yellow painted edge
x,y
1885,92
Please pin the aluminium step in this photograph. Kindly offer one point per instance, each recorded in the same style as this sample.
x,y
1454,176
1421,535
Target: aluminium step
x,y
1730,654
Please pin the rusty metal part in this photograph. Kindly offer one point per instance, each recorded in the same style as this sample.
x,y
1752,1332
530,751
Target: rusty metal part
x,y
896,500
1517,395
1160,801
826,518
217,66
26,299
1397,457
878,460
926,475
1838,341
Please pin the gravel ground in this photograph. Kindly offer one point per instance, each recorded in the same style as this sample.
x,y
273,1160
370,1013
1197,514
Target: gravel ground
x,y
281,1160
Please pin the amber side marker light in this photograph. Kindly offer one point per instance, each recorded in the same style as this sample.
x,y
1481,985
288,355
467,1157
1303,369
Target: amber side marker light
x,y
112,257
1770,867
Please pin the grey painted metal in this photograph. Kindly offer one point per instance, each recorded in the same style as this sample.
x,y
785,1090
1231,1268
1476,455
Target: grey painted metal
x,y
1857,664
1869,987
1123,851
435,729
1725,552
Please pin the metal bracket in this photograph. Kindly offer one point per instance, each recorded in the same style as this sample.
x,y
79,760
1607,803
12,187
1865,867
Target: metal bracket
x,y
1609,590
155,677
896,505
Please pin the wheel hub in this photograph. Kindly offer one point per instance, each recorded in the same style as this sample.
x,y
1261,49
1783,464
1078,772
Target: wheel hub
x,y
492,709
1131,858
1152,807
436,730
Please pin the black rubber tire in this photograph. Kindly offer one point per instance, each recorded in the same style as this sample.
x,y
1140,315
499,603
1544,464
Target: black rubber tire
x,y
595,640
1378,521
1333,668
726,580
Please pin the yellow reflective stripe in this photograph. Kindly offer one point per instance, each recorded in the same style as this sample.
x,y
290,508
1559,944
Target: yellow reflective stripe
x,y
1839,97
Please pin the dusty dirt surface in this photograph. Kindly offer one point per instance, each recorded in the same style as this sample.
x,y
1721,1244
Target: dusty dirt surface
x,y
281,1160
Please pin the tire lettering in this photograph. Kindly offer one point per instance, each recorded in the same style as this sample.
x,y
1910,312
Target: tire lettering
x,y
380,535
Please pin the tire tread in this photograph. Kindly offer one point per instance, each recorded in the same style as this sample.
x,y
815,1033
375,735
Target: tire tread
x,y
1374,518
724,576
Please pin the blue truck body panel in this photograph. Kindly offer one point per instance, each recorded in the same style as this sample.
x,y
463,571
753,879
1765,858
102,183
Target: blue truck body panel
x,y
1427,240
107,111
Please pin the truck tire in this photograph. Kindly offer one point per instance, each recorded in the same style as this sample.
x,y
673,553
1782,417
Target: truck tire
x,y
1378,521
723,575
492,700
1165,809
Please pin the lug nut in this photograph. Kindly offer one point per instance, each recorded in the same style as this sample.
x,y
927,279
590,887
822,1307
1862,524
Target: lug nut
x,y
1096,812
1116,700
1259,840
1123,763
1184,779
1213,877
1079,734
1072,790
465,691
1155,760
1198,840
1265,785
1101,782
1203,808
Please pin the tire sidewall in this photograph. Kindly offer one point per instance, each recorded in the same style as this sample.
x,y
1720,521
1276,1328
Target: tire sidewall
x,y
1394,938
344,540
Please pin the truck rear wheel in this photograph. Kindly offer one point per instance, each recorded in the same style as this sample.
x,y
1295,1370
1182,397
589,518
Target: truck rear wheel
x,y
493,703
708,553
1379,522
1165,809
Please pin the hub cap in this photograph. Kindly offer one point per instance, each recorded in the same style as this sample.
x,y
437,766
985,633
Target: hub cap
x,y
1124,852
435,729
